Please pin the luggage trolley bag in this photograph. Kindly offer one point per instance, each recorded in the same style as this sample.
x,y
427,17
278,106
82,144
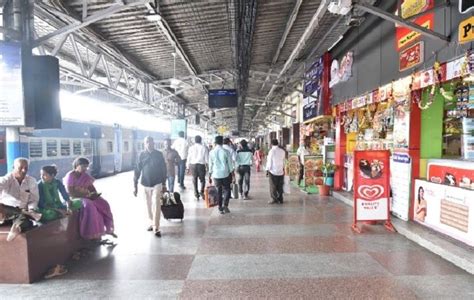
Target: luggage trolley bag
x,y
172,207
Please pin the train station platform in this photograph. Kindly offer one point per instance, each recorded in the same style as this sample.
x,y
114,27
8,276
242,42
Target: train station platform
x,y
302,249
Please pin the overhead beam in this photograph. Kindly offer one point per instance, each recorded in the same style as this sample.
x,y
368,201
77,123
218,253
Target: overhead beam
x,y
289,25
402,22
100,15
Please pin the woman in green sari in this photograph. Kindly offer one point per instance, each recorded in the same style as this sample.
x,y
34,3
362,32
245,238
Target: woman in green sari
x,y
50,204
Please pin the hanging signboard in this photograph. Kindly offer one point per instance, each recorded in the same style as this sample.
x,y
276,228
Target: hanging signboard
x,y
400,182
312,102
409,8
465,6
466,30
12,108
411,57
447,209
371,187
341,71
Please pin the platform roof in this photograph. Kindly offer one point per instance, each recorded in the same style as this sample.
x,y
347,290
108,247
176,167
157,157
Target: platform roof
x,y
163,56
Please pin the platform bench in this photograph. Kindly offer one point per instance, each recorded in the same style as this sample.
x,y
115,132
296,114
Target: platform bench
x,y
28,257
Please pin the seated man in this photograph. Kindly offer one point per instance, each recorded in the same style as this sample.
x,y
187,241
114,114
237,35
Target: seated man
x,y
18,199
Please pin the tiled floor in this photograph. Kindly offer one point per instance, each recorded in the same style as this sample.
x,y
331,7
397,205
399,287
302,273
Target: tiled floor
x,y
303,249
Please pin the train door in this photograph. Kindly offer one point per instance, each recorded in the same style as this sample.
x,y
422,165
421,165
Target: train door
x,y
134,148
96,134
118,150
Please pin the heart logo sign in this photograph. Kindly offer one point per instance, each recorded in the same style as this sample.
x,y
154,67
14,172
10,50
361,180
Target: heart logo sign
x,y
371,192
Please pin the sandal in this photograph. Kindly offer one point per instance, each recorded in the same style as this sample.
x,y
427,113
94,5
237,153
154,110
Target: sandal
x,y
58,270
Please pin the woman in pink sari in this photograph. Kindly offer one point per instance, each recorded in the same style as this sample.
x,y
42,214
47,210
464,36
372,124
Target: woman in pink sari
x,y
95,216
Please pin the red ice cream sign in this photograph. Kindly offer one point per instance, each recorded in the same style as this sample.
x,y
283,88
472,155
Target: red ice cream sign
x,y
371,185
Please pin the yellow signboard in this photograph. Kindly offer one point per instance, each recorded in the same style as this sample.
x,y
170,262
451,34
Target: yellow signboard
x,y
413,7
466,30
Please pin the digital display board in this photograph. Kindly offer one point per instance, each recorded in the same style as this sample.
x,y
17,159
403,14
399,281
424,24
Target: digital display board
x,y
223,98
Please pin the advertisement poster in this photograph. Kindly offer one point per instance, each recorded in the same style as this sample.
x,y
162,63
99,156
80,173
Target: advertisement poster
x,y
406,36
341,72
312,103
401,123
12,111
454,173
371,185
400,181
293,166
313,175
446,209
410,57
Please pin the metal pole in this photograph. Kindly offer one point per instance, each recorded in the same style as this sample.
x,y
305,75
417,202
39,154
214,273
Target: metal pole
x,y
21,18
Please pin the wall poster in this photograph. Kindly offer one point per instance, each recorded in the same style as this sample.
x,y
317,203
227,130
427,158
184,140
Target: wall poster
x,y
400,182
447,209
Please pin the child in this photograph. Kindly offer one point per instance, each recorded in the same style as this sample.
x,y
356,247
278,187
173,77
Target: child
x,y
50,205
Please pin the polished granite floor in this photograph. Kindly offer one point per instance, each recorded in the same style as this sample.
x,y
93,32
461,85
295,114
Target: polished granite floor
x,y
303,249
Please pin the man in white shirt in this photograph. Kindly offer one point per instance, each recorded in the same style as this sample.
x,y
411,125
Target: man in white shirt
x,y
301,152
276,171
181,146
19,197
198,156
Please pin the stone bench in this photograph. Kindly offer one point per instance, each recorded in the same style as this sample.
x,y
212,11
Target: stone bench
x,y
29,256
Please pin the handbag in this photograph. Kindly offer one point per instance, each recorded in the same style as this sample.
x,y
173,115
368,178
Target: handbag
x,y
286,185
235,191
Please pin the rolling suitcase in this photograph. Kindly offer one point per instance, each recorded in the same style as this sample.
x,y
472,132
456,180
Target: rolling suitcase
x,y
172,207
210,196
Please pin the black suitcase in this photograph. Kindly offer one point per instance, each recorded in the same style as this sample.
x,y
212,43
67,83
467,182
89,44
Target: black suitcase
x,y
172,207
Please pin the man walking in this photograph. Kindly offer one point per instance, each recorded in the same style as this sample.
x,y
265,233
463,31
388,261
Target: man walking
x,y
151,167
19,197
276,171
244,163
220,169
172,159
301,152
181,145
198,156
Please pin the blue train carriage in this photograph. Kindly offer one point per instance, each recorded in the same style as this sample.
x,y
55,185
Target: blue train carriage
x,y
57,146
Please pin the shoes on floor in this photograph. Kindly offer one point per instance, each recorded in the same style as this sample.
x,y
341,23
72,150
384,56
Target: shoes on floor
x,y
272,202
241,197
246,196
14,232
221,211
150,228
158,234
226,210
182,187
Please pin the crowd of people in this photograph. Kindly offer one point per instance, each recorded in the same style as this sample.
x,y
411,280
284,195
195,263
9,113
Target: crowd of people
x,y
25,202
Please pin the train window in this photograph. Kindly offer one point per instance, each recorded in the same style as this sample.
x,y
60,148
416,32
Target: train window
x,y
36,148
65,148
87,148
110,147
76,147
51,148
125,146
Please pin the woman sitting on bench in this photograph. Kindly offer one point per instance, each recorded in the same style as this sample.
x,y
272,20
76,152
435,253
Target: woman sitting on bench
x,y
95,217
50,205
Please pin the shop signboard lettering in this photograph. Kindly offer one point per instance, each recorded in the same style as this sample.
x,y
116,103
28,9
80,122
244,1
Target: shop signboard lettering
x,y
411,56
341,72
406,36
465,6
371,185
400,181
447,209
466,30
12,111
312,103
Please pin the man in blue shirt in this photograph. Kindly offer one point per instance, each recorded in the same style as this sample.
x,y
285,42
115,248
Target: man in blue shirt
x,y
220,168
